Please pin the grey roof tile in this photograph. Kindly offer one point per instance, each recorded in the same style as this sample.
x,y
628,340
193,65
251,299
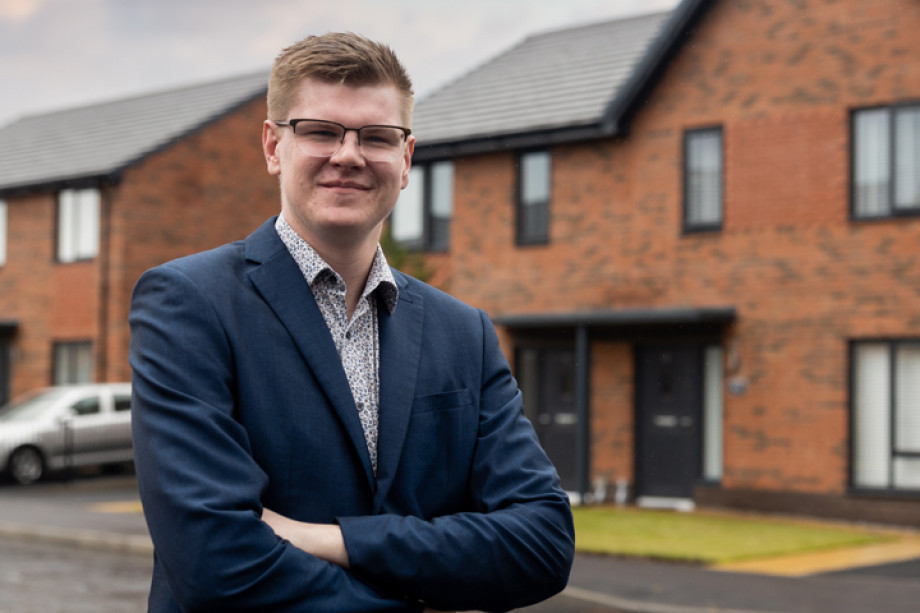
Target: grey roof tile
x,y
100,139
558,79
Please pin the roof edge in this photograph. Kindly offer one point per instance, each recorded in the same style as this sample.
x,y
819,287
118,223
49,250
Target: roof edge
x,y
624,105
618,318
505,142
95,179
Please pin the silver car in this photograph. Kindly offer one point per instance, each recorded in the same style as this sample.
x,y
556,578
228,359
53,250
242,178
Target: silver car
x,y
64,427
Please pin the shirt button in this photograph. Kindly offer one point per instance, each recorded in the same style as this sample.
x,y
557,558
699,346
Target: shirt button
x,y
348,334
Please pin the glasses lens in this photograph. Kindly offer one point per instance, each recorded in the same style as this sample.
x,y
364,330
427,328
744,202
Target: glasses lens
x,y
323,139
318,138
381,139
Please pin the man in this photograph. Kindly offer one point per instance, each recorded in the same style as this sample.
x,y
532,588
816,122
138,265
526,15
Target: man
x,y
314,431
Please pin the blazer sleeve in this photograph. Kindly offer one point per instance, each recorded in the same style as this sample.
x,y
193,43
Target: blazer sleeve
x,y
199,484
514,549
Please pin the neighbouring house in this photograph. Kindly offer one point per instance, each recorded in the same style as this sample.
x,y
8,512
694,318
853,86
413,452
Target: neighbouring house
x,y
91,197
699,235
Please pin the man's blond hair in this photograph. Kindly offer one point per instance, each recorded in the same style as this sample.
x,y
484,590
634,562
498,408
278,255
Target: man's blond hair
x,y
336,57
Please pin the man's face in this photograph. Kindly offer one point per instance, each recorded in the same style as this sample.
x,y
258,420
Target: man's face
x,y
342,199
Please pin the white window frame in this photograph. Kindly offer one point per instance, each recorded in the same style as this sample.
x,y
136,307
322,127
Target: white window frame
x,y
78,224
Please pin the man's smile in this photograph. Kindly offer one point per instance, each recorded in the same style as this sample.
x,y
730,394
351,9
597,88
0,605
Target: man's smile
x,y
344,185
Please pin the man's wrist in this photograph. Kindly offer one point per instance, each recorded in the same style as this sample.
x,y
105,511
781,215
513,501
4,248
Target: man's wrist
x,y
325,541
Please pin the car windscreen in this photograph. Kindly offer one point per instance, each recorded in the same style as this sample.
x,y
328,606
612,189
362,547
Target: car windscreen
x,y
31,406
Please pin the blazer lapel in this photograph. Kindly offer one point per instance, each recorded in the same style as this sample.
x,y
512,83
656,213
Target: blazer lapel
x,y
281,284
400,351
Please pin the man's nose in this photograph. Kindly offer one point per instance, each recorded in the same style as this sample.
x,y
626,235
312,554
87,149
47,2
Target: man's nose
x,y
349,152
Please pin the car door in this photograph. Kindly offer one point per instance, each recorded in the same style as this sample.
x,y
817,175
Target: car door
x,y
85,430
120,447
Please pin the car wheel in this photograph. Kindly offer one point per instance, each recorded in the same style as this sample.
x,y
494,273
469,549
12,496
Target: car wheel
x,y
26,465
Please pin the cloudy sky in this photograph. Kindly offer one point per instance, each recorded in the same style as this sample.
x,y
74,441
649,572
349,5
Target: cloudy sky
x,y
62,53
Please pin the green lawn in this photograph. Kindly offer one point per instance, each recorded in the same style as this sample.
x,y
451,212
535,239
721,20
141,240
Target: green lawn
x,y
703,537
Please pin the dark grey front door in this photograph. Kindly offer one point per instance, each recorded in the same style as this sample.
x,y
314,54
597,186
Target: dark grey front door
x,y
547,377
669,397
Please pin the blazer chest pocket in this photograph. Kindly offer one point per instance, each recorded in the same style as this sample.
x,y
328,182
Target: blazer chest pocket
x,y
443,401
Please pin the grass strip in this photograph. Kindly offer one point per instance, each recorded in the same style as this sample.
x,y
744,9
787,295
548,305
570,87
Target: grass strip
x,y
707,537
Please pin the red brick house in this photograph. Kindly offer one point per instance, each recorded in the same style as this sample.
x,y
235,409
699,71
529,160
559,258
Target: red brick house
x,y
91,197
699,233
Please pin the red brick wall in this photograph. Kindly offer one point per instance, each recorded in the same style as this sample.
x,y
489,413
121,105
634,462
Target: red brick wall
x,y
51,302
780,78
612,419
206,190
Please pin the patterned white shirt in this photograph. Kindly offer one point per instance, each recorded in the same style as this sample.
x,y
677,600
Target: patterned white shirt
x,y
357,341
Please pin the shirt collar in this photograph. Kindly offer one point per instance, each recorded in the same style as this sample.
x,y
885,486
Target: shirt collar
x,y
312,265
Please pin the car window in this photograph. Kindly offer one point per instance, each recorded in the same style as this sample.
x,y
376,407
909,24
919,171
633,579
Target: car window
x,y
31,406
122,403
86,406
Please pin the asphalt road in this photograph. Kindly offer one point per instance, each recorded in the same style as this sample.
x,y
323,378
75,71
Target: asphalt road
x,y
110,576
41,577
37,577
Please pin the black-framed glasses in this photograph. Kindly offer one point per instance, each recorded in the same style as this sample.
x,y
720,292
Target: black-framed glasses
x,y
318,138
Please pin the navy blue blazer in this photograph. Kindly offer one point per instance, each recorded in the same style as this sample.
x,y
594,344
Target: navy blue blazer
x,y
240,401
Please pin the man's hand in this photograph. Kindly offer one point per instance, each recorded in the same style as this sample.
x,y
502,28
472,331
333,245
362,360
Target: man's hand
x,y
325,541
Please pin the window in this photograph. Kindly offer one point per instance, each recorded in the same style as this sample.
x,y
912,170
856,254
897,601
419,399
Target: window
x,y
122,403
713,409
703,179
886,162
3,232
73,363
534,189
421,217
86,406
886,415
78,224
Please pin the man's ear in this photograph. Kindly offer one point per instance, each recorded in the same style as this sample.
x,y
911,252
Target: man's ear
x,y
270,147
410,148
